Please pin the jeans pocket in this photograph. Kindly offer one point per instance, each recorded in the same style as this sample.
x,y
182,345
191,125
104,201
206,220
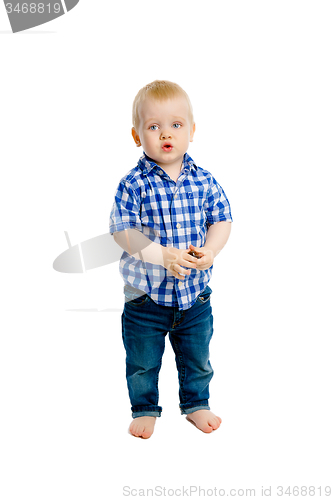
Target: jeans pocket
x,y
205,295
139,301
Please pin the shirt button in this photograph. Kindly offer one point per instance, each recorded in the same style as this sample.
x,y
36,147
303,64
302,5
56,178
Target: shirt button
x,y
178,226
176,195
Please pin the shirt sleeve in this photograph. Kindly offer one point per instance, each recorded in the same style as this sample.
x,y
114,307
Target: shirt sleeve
x,y
217,206
125,211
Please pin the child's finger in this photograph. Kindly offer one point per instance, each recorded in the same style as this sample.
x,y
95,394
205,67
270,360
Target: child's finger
x,y
189,263
187,258
179,271
201,262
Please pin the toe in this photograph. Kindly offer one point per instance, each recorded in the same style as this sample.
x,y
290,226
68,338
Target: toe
x,y
135,429
207,428
146,434
215,423
141,428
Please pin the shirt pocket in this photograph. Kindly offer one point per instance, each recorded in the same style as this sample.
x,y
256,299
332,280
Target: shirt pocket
x,y
193,206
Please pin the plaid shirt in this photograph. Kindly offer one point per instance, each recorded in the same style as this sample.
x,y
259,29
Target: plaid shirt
x,y
172,215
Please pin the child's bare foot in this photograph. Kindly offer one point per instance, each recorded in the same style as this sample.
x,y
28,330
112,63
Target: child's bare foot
x,y
205,420
142,427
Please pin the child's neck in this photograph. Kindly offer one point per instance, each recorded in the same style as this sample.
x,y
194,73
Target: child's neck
x,y
173,171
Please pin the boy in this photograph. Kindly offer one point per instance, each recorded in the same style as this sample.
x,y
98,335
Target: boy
x,y
172,218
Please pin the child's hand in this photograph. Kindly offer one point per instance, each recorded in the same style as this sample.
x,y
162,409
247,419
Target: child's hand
x,y
206,257
175,258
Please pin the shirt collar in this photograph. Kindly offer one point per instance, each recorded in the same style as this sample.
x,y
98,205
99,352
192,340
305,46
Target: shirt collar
x,y
147,164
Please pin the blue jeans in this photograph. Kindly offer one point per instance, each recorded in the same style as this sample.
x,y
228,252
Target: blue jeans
x,y
145,325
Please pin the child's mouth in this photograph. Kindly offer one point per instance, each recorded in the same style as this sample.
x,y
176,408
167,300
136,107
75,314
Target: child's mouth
x,y
167,147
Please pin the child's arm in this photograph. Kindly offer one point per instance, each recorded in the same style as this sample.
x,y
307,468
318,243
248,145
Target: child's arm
x,y
135,243
217,237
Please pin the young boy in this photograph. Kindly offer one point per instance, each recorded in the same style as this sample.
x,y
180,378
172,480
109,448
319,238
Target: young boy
x,y
172,218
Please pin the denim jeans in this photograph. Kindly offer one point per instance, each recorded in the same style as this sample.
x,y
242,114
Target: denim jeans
x,y
145,325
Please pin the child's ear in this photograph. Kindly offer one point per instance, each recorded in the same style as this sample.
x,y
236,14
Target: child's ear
x,y
136,137
192,132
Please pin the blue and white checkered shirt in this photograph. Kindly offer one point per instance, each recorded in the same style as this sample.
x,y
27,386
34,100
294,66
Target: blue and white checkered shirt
x,y
172,215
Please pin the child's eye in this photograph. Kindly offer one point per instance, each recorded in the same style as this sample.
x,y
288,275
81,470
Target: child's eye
x,y
153,127
176,125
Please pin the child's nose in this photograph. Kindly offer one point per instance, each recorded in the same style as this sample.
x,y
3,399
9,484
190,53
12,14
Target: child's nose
x,y
165,134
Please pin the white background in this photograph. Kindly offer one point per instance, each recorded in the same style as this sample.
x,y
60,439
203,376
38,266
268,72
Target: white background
x,y
259,74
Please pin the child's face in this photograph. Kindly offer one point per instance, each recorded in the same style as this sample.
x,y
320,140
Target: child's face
x,y
165,130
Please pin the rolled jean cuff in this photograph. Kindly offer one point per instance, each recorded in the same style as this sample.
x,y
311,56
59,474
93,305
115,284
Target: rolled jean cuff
x,y
185,409
146,411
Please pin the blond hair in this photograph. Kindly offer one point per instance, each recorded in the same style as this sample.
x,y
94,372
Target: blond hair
x,y
159,90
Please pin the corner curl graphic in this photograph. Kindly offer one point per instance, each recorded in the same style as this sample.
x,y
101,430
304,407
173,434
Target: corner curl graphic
x,y
96,252
25,15
99,251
